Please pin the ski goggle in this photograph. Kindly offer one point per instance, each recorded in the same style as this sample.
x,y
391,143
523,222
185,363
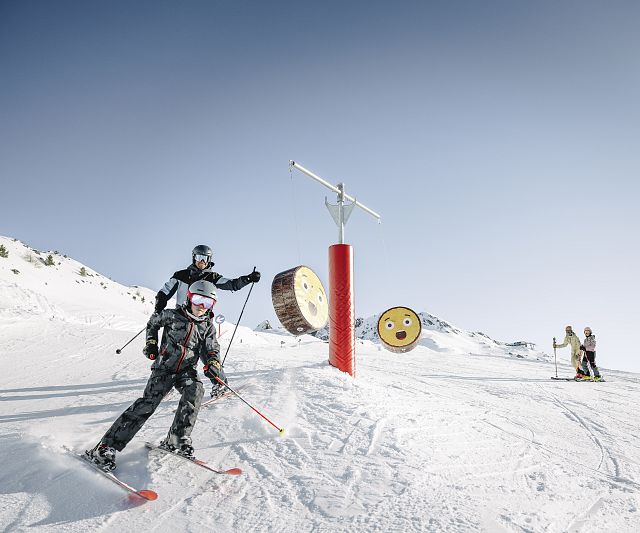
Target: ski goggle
x,y
204,301
200,257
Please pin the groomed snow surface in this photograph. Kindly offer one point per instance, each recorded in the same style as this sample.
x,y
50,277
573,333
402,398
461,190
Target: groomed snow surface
x,y
432,440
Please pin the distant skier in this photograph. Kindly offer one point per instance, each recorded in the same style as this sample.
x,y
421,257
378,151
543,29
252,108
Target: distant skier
x,y
200,269
188,336
589,359
572,339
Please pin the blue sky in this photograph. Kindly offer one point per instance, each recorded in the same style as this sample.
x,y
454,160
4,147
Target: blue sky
x,y
499,140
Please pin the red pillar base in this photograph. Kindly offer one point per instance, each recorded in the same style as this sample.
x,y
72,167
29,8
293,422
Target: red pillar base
x,y
342,341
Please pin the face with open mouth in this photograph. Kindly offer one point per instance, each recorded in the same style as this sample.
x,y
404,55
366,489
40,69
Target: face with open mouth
x,y
311,297
399,329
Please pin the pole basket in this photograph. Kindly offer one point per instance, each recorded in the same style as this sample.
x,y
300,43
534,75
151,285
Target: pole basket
x,y
342,345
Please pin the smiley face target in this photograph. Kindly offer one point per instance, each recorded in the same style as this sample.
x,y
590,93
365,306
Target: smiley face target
x,y
299,300
399,329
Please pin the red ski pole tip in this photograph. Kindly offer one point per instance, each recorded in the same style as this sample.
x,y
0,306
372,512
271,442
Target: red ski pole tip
x,y
148,494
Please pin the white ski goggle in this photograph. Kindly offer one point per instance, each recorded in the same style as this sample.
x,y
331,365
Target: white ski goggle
x,y
204,301
199,257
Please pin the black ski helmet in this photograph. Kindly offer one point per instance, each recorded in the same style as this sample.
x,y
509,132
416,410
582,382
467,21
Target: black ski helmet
x,y
202,249
203,288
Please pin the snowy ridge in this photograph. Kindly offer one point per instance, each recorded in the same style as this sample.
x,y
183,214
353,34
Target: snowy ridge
x,y
441,336
417,442
65,290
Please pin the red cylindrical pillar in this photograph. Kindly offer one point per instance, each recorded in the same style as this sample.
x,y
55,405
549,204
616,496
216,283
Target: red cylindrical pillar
x,y
342,340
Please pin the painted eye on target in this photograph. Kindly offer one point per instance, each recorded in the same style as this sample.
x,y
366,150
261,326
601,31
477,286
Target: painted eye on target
x,y
389,324
407,322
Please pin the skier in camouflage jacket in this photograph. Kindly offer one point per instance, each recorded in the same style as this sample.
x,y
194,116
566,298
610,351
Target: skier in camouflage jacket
x,y
188,336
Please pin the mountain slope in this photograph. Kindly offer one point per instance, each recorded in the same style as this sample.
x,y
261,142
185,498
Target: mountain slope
x,y
425,441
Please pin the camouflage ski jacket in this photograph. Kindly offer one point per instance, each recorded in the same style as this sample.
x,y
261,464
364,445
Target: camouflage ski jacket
x,y
185,339
180,281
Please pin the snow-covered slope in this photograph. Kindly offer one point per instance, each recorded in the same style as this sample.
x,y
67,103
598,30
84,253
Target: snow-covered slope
x,y
65,290
423,441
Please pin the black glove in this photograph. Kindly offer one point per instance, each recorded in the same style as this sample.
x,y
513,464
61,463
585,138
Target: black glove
x,y
254,277
151,349
161,302
213,370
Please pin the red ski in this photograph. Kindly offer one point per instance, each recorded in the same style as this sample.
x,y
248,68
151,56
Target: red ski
x,y
231,471
223,395
144,493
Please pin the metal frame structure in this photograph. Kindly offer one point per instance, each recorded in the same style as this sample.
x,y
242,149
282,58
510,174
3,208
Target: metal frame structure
x,y
341,299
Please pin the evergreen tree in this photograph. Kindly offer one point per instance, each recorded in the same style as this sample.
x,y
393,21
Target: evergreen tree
x,y
49,261
3,251
83,271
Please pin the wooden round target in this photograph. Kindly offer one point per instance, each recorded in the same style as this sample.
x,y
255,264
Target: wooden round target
x,y
299,300
399,329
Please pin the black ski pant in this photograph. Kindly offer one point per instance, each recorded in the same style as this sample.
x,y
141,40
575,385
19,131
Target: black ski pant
x,y
158,386
591,358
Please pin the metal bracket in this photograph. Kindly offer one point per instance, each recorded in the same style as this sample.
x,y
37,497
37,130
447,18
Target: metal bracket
x,y
342,211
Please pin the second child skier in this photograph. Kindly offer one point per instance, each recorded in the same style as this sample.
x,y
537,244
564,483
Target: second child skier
x,y
589,358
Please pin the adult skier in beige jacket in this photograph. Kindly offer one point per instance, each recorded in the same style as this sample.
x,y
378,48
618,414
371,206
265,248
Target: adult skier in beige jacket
x,y
571,339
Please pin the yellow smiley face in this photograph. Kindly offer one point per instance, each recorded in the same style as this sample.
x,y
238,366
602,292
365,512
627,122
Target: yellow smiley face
x,y
311,297
399,329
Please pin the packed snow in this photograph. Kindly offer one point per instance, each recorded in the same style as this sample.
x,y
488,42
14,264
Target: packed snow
x,y
463,433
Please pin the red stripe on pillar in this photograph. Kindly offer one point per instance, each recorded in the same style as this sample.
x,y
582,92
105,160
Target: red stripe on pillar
x,y
342,342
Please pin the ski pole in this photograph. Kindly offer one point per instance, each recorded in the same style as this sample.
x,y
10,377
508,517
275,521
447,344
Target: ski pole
x,y
238,322
554,355
119,350
280,430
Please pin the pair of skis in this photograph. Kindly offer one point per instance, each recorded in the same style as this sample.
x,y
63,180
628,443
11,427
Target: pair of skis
x,y
147,494
556,378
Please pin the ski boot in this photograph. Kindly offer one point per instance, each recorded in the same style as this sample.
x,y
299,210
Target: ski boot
x,y
184,448
166,445
217,391
103,456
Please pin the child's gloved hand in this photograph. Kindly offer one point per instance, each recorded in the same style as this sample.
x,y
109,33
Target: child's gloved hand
x,y
213,370
151,349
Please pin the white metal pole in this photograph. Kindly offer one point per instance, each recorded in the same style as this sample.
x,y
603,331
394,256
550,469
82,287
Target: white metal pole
x,y
341,213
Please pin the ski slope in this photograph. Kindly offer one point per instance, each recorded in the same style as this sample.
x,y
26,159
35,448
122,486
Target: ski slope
x,y
442,438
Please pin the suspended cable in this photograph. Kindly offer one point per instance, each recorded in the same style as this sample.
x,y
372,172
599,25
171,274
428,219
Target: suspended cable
x,y
295,214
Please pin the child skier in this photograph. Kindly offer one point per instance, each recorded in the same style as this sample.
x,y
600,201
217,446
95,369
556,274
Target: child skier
x,y
188,336
589,358
572,339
